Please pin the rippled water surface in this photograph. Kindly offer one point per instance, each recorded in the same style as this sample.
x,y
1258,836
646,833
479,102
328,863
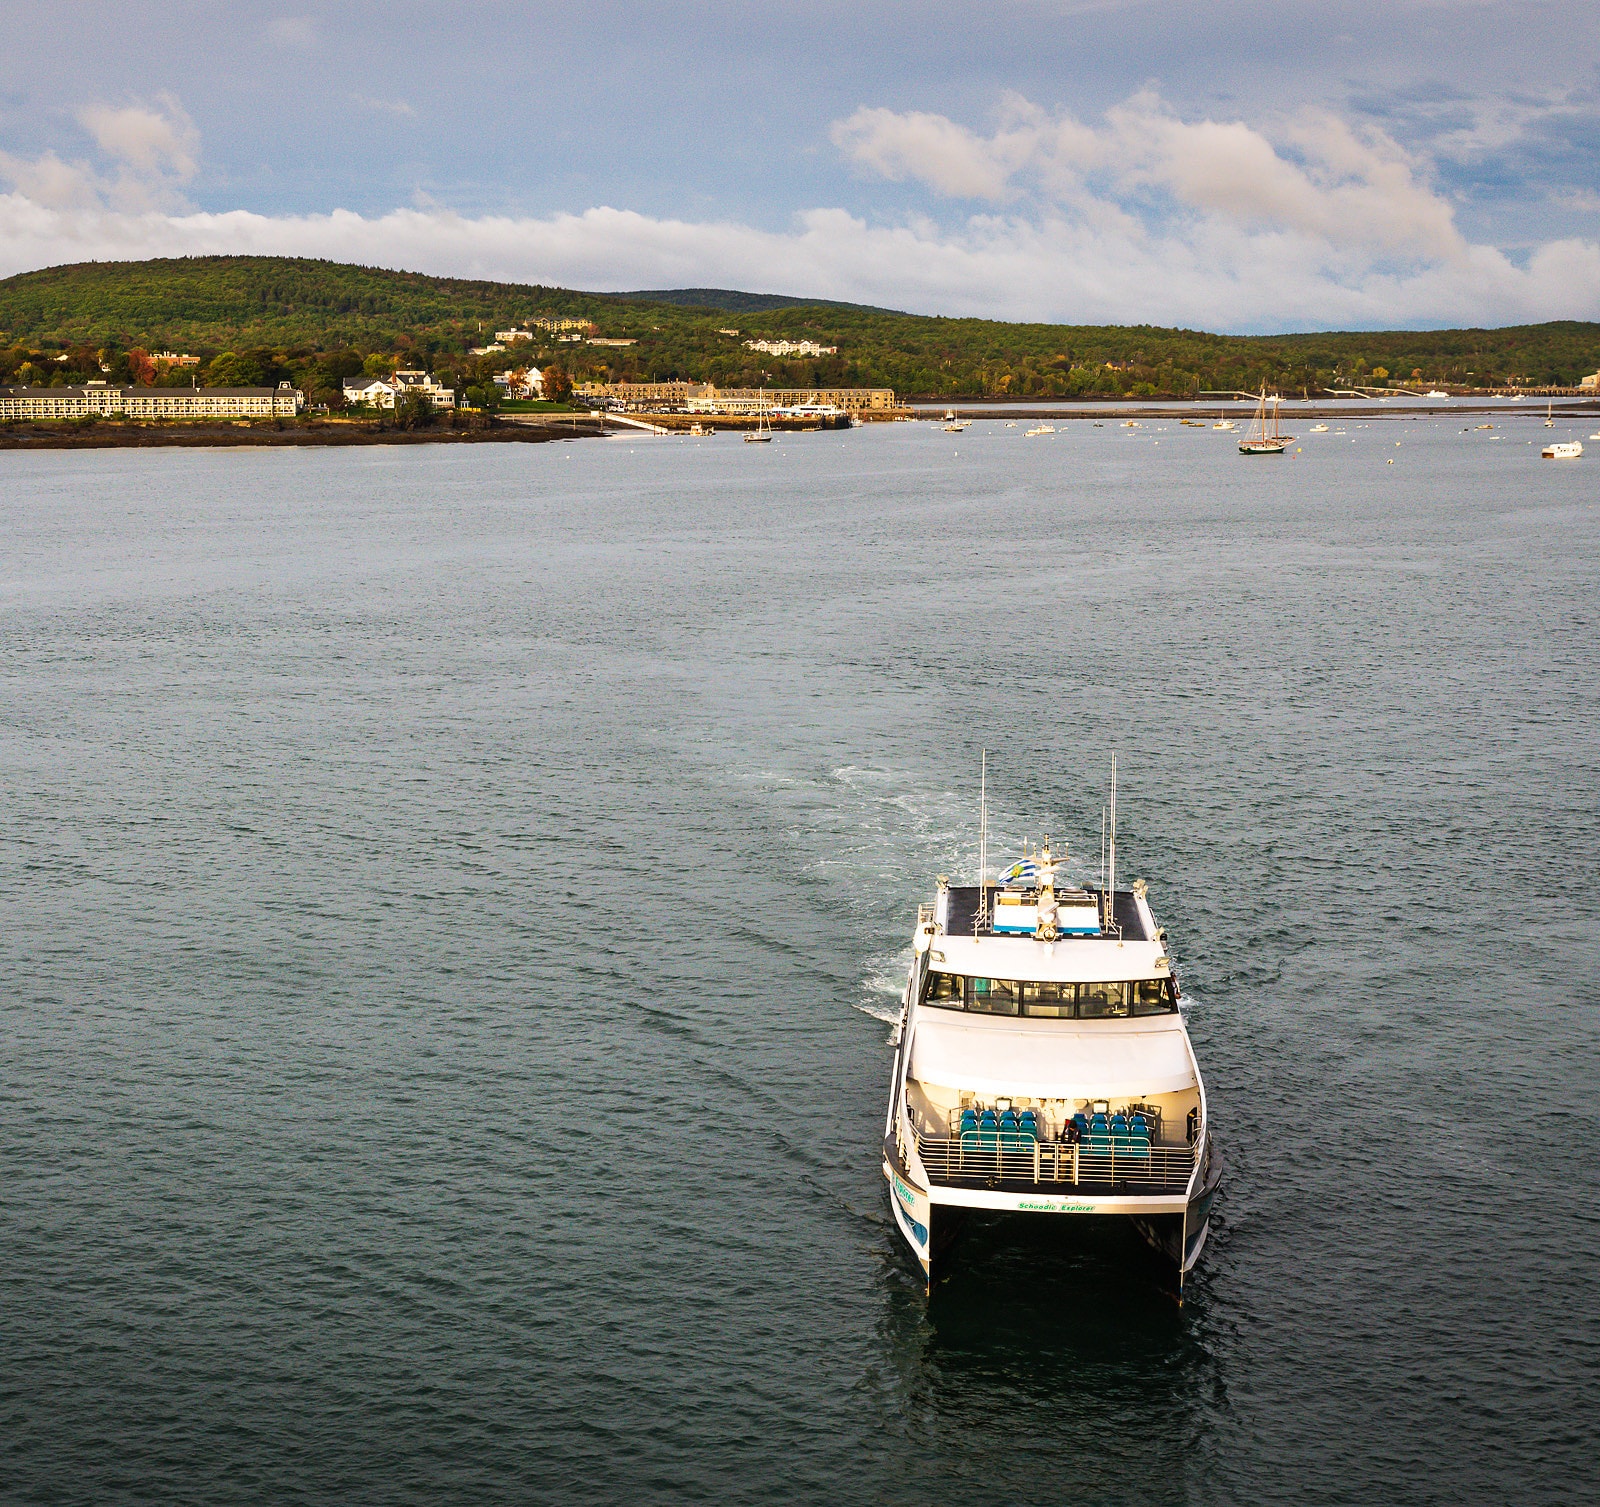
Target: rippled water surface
x,y
453,900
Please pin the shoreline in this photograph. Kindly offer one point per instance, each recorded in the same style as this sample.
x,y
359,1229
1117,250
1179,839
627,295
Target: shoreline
x,y
111,435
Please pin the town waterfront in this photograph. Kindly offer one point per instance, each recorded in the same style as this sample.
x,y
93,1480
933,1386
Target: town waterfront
x,y
455,896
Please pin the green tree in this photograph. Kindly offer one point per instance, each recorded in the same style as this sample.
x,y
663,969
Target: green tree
x,y
233,370
413,410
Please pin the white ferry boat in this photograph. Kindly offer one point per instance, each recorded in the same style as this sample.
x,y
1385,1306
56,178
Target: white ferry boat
x,y
1042,1068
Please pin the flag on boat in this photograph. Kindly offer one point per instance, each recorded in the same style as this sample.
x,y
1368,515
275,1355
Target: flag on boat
x,y
1023,871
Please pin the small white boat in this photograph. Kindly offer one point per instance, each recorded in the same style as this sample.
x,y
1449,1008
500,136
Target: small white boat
x,y
956,426
1130,424
1039,429
1437,394
1011,423
1319,429
1563,450
1223,423
1549,417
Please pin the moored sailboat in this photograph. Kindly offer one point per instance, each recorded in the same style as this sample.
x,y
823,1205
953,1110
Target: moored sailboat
x,y
1265,438
762,434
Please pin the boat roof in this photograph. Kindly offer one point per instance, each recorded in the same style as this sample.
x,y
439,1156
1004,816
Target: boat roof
x,y
1049,1059
1132,917
1137,953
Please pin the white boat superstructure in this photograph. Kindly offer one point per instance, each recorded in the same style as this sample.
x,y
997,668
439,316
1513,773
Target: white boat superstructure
x,y
1043,1067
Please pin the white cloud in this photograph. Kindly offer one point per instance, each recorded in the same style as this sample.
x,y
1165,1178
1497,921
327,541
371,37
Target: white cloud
x,y
1321,179
948,157
397,107
1141,218
150,149
152,141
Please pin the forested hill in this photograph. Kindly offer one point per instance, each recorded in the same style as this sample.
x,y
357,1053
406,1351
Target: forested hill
x,y
313,319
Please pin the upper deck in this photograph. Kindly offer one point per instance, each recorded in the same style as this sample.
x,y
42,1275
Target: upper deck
x,y
1134,948
1130,914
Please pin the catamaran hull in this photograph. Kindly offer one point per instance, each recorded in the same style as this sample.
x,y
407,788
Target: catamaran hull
x,y
929,1221
1181,1238
913,1216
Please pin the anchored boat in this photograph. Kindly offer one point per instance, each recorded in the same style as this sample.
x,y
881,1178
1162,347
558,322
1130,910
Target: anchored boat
x,y
1043,1068
1265,438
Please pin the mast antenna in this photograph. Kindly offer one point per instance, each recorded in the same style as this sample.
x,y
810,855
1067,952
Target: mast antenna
x,y
980,917
1104,917
1111,875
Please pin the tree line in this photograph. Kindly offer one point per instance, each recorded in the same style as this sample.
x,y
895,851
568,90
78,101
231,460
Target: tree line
x,y
260,320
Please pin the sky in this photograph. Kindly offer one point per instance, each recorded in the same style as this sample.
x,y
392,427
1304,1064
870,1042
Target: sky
x,y
1234,167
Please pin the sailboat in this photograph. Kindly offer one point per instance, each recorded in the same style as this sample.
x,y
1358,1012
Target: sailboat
x,y
1263,440
763,429
1549,416
1224,422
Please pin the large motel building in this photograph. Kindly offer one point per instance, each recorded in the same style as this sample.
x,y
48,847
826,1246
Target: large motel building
x,y
696,397
105,401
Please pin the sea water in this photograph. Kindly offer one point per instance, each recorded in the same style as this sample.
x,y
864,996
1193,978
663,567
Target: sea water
x,y
453,901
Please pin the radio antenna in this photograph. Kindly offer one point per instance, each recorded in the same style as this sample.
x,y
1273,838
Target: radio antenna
x,y
1111,875
1105,914
980,917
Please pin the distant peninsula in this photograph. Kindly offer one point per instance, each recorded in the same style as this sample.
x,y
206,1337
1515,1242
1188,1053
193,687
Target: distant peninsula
x,y
245,320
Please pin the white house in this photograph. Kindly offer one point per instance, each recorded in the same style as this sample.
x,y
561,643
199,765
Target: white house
x,y
1590,384
374,392
527,383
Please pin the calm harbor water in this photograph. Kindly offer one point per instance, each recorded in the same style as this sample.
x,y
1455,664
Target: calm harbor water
x,y
453,899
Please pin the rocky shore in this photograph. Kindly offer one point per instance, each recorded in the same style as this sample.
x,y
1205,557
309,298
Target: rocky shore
x,y
111,434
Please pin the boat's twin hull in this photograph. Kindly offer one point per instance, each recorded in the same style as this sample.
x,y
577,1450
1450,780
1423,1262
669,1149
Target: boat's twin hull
x,y
1176,1226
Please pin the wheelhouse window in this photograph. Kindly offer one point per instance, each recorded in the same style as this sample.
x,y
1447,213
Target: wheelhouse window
x,y
1052,1001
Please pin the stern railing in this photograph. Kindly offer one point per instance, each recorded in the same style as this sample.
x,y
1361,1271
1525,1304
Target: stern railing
x,y
989,1158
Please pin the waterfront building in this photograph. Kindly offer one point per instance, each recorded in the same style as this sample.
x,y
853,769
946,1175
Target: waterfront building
x,y
751,400
375,392
1589,384
695,397
102,400
654,396
791,348
525,383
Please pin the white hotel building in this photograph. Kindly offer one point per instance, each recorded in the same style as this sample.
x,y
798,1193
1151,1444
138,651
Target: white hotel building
x,y
105,401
